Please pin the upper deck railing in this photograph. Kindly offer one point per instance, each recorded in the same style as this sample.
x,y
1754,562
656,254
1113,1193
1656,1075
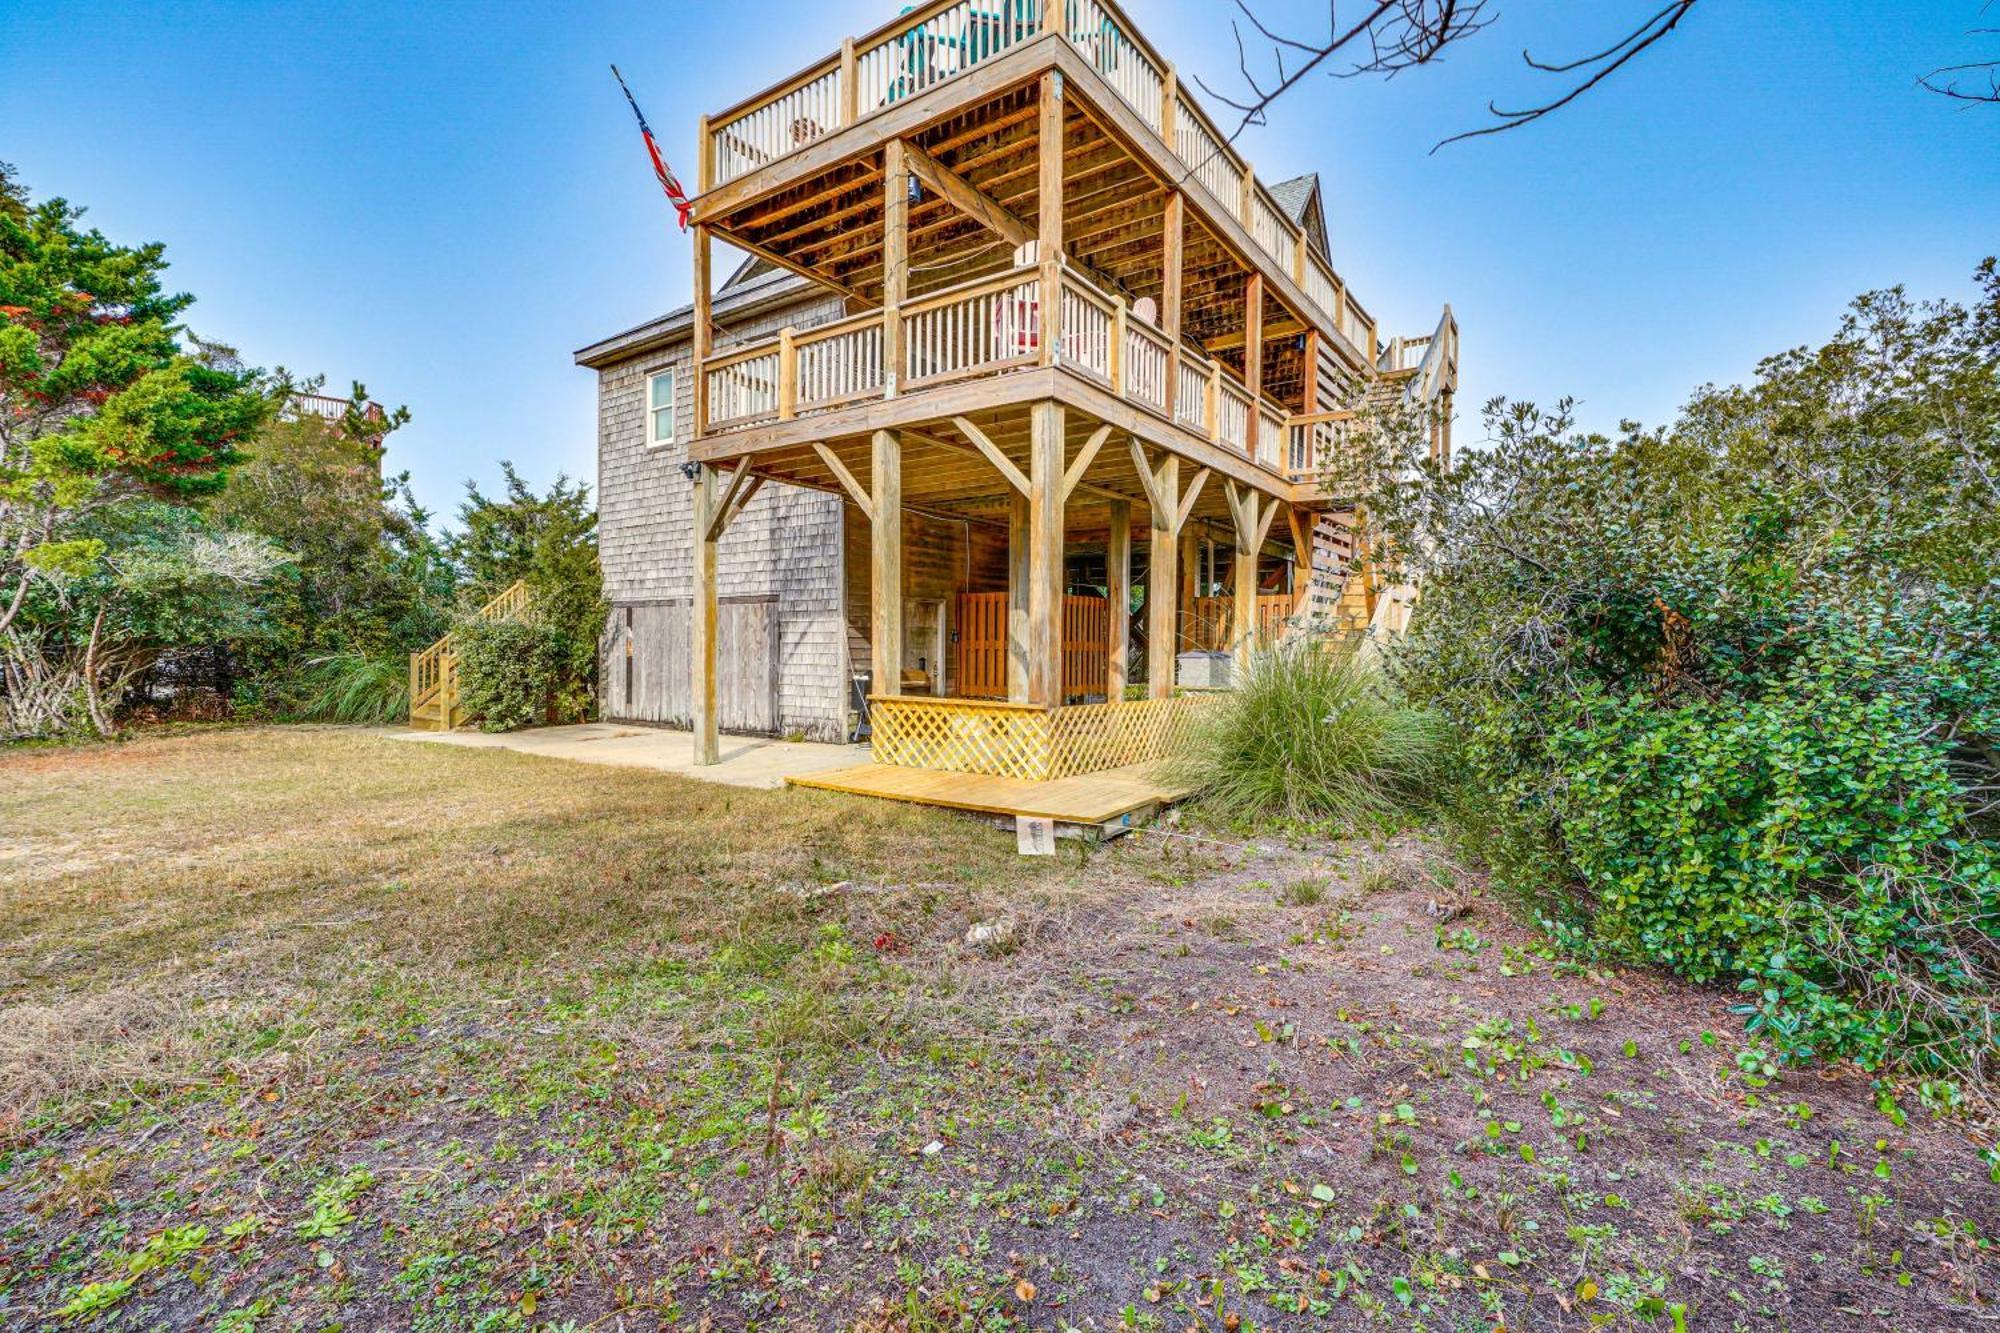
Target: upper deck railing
x,y
940,40
991,326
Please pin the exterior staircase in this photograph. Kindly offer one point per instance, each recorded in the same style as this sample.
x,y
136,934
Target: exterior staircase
x,y
1344,594
434,701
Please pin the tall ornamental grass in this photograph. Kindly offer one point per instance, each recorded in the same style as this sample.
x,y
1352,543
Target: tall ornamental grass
x,y
1313,737
355,687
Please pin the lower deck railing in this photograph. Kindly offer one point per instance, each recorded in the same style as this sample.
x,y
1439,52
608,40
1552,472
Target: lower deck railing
x,y
1026,741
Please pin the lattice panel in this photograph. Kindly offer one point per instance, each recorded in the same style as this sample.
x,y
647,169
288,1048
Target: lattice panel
x,y
1037,745
1090,738
958,737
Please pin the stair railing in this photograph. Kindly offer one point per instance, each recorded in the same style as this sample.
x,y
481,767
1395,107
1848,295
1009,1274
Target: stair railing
x,y
434,671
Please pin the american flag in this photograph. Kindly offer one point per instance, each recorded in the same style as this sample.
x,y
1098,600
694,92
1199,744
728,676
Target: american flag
x,y
675,195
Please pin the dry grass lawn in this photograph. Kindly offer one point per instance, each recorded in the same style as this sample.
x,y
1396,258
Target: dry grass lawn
x,y
303,1029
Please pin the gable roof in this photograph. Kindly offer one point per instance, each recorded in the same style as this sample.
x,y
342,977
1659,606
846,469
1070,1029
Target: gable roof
x,y
1300,199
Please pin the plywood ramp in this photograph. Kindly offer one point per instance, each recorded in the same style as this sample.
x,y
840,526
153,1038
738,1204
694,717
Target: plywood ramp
x,y
1092,798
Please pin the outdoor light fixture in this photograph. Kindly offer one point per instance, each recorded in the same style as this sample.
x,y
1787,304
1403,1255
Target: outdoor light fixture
x,y
690,469
916,189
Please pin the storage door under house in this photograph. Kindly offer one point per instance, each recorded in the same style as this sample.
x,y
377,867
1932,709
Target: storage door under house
x,y
644,669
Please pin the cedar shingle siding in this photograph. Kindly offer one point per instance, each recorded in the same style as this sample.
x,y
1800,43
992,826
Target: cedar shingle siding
x,y
779,566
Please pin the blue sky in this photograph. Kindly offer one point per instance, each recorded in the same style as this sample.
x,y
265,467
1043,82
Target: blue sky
x,y
444,200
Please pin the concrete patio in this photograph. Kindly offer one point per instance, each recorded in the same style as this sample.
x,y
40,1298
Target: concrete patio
x,y
747,761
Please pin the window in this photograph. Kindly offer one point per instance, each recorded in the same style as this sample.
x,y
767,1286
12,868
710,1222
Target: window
x,y
660,408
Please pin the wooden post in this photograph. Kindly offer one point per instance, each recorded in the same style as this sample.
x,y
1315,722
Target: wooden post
x,y
1118,599
1190,570
1302,555
702,332
885,587
788,375
1049,202
701,638
1253,352
1055,16
704,167
1017,597
895,261
1244,211
1171,240
1045,553
1299,257
1212,409
850,90
1170,88
1311,380
1253,512
1161,577
1117,348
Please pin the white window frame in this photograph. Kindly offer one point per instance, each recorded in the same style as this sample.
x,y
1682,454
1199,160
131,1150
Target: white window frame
x,y
653,440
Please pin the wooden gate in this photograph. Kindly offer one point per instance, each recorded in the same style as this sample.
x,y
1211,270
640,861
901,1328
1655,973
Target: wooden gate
x,y
645,659
982,645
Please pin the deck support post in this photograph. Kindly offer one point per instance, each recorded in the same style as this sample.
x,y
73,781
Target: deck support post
x,y
702,333
1253,353
895,261
701,639
1253,512
885,570
1301,522
1118,600
1162,579
1045,553
1017,598
1049,208
1172,238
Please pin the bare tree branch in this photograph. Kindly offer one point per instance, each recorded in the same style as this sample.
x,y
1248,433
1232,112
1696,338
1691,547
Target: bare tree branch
x,y
1601,66
1396,35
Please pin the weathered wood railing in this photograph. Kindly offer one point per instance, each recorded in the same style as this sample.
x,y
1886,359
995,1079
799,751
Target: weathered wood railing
x,y
989,326
942,39
974,328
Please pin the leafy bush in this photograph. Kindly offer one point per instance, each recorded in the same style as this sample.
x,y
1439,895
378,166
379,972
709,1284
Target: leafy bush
x,y
1313,737
1809,842
354,687
549,541
508,671
1727,693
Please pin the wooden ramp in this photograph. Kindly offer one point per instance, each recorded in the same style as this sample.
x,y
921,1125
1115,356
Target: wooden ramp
x,y
1093,798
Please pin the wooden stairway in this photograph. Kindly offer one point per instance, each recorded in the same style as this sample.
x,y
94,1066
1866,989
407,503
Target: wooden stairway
x,y
1344,593
434,701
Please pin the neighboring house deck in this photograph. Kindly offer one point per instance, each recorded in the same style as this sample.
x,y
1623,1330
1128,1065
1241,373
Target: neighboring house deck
x,y
1025,344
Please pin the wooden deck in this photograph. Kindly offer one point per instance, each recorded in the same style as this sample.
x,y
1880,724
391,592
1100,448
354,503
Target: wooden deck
x,y
1093,798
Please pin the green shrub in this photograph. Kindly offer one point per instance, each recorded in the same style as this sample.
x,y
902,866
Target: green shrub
x,y
1806,844
508,671
354,687
1726,694
1312,737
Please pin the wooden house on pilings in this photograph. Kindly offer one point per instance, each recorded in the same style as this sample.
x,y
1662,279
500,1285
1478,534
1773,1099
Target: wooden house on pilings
x,y
1055,308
